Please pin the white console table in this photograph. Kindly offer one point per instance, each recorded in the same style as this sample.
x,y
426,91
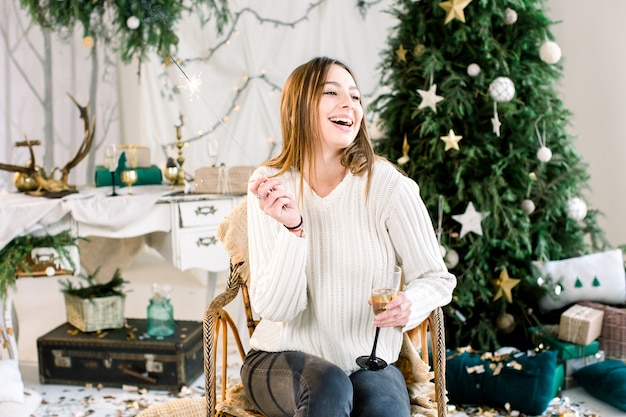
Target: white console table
x,y
180,226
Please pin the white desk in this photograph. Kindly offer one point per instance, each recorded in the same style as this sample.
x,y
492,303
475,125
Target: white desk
x,y
180,226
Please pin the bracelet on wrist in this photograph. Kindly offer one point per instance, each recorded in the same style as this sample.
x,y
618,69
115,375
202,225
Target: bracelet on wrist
x,y
296,228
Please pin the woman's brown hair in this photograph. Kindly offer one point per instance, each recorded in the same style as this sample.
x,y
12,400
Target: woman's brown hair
x,y
299,107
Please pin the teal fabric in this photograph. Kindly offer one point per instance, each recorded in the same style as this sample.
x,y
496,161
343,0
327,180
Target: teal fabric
x,y
606,381
528,389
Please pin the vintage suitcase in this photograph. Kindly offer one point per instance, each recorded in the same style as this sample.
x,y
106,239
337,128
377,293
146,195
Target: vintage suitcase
x,y
126,356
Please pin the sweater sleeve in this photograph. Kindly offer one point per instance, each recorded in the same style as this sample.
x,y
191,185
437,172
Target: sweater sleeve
x,y
428,284
278,286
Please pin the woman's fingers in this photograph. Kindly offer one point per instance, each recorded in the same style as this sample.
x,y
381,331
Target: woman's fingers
x,y
397,313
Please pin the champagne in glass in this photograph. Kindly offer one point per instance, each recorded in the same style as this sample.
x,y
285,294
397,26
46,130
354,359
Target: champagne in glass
x,y
110,162
383,292
129,177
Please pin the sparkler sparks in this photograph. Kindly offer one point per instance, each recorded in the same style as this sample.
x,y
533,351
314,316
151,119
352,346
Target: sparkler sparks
x,y
193,85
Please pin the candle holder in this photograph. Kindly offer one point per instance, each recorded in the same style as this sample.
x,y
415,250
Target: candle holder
x,y
180,180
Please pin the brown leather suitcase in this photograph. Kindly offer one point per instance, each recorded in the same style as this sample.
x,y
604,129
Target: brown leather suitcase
x,y
126,356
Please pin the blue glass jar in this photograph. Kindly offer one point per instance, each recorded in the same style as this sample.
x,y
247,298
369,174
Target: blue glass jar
x,y
160,313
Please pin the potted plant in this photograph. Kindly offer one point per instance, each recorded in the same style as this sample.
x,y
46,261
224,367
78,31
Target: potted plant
x,y
93,307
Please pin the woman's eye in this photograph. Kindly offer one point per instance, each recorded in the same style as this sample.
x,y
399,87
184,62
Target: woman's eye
x,y
331,93
356,98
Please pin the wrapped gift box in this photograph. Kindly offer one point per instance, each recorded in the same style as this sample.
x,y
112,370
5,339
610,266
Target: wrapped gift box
x,y
222,180
580,324
547,335
145,176
139,154
572,365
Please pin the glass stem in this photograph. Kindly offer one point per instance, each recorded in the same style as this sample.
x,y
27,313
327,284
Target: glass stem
x,y
113,182
373,354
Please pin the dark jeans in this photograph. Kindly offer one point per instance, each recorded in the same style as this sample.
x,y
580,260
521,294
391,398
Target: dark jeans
x,y
286,384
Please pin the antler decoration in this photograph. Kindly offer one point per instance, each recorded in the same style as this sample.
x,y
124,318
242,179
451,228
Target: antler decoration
x,y
51,187
83,150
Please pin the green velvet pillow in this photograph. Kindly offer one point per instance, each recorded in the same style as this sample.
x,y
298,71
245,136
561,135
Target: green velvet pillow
x,y
605,381
524,380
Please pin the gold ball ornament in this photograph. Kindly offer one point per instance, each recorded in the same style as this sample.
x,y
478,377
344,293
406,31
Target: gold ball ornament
x,y
550,52
502,89
505,322
88,42
576,209
24,182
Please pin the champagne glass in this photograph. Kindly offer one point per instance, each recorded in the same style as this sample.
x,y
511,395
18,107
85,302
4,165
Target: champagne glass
x,y
383,291
212,148
171,174
129,177
110,162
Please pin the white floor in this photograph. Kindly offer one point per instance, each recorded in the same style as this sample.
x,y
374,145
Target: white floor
x,y
40,308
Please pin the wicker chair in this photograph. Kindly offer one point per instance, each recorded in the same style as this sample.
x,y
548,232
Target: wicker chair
x,y
217,323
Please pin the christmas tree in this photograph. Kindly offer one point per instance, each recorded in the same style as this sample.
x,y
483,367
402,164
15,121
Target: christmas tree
x,y
472,113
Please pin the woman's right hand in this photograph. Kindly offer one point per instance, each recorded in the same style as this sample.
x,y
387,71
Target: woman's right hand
x,y
274,201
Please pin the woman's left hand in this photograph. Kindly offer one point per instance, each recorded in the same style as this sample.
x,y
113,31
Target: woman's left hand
x,y
397,313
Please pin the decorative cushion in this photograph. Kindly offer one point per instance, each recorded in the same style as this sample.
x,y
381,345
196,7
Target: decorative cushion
x,y
524,380
11,385
605,381
597,277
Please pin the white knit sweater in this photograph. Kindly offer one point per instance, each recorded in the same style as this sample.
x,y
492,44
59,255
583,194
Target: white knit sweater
x,y
311,293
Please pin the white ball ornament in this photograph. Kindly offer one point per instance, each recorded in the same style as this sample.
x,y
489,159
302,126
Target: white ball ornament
x,y
442,250
133,22
50,271
528,206
510,16
544,154
502,89
576,209
451,259
473,70
550,52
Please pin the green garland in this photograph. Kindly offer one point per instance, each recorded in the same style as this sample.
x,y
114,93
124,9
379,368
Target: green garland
x,y
108,21
16,252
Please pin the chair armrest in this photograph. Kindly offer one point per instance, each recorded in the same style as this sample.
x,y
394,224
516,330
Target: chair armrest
x,y
216,319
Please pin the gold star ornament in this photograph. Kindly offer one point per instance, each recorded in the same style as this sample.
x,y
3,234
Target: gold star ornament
x,y
454,10
451,140
401,53
504,284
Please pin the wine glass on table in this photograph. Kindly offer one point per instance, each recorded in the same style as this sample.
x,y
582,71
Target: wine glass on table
x,y
110,162
384,290
129,175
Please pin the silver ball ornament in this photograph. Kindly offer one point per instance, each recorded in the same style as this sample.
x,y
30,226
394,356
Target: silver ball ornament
x,y
528,206
473,70
451,259
133,22
544,154
510,16
502,89
576,209
550,52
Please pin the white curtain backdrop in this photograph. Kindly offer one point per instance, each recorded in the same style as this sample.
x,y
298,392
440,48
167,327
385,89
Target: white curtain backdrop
x,y
240,75
242,72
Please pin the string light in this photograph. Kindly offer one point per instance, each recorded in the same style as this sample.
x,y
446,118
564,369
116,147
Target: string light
x,y
194,82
